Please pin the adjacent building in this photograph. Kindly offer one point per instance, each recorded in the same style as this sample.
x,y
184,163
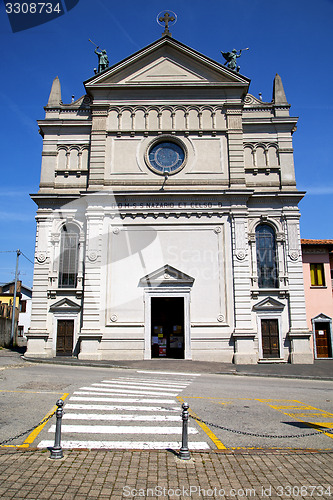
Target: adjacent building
x,y
23,311
168,221
318,276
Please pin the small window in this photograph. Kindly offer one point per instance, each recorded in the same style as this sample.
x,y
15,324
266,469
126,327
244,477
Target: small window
x,y
317,274
20,331
23,306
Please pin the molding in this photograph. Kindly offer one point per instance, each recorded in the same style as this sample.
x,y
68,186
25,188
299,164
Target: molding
x,y
269,304
166,275
65,305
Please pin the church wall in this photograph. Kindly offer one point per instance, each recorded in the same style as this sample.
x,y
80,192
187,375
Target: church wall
x,y
207,156
133,251
190,234
65,158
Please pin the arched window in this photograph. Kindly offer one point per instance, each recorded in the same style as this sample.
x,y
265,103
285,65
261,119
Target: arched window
x,y
266,256
69,253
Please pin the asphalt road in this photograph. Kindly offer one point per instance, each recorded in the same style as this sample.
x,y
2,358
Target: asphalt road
x,y
99,403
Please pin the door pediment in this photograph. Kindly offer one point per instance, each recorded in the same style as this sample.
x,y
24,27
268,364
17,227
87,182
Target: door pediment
x,y
322,317
65,305
269,304
166,276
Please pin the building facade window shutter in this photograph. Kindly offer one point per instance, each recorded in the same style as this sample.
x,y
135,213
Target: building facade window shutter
x,y
317,274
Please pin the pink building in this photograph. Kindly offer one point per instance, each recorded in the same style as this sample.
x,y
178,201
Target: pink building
x,y
318,280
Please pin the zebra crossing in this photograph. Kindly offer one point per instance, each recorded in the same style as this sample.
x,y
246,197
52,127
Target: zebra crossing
x,y
128,412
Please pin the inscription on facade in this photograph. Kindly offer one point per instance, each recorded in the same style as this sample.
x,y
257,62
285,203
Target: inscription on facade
x,y
167,204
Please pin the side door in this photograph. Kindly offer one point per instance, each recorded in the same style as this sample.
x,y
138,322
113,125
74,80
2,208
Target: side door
x,y
65,335
322,341
270,338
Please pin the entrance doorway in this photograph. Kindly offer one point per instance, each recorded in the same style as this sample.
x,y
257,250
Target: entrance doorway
x,y
65,335
323,340
270,338
167,327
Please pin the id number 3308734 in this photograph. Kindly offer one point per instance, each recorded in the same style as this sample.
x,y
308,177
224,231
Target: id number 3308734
x,y
303,491
32,8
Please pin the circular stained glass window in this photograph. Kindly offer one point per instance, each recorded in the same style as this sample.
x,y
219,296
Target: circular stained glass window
x,y
166,157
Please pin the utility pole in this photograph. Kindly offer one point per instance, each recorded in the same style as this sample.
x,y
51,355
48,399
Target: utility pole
x,y
18,253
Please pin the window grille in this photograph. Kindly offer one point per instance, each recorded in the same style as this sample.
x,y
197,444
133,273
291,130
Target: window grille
x,y
266,257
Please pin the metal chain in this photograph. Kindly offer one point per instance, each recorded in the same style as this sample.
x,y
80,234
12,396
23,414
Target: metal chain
x,y
29,430
257,434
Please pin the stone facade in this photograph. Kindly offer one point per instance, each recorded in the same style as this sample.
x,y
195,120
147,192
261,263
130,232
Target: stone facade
x,y
160,179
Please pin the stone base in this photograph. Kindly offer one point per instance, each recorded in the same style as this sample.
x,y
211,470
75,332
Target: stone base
x,y
89,356
218,356
89,347
301,348
243,358
301,358
121,355
37,348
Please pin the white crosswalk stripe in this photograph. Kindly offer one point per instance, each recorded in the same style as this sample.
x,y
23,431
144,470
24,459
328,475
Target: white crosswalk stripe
x,y
119,399
132,405
128,391
120,417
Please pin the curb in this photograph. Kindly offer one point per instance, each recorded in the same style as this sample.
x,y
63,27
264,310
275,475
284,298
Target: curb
x,y
233,371
74,363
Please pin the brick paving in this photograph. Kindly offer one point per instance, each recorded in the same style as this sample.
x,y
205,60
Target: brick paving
x,y
114,474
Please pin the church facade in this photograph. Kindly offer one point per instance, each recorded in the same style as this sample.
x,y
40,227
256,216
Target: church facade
x,y
168,221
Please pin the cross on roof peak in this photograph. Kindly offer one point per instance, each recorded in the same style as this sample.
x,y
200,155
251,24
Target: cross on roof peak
x,y
168,17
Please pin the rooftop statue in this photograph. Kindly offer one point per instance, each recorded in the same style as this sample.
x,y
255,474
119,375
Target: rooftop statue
x,y
230,58
103,60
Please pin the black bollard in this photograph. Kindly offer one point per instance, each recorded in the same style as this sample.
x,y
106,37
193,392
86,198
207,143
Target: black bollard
x,y
184,452
56,450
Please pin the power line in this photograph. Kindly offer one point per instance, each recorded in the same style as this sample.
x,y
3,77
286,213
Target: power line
x,y
27,258
15,251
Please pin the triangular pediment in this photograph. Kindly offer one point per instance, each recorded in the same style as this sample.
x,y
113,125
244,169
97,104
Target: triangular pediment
x,y
322,317
269,304
164,70
167,61
65,304
166,275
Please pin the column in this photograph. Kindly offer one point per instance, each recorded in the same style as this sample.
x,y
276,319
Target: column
x,y
243,334
91,334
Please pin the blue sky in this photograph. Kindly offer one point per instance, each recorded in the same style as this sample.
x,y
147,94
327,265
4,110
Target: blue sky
x,y
289,37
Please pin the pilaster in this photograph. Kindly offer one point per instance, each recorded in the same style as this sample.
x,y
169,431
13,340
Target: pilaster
x,y
235,147
299,333
38,333
98,146
243,333
92,315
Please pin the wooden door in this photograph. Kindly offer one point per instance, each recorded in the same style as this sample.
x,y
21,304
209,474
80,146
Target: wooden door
x,y
270,338
65,334
323,344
